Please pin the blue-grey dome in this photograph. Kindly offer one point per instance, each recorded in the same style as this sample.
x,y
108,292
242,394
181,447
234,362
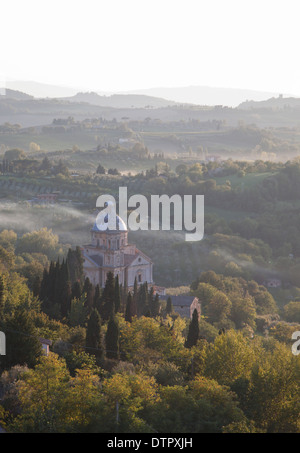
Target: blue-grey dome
x,y
105,222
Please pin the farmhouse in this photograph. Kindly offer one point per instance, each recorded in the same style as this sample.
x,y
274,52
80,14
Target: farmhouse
x,y
185,305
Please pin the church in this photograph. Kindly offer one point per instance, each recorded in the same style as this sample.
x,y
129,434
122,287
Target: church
x,y
109,251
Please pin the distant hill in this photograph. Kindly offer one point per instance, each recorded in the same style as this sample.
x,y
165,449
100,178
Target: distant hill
x,y
202,95
41,90
121,101
272,103
156,97
13,94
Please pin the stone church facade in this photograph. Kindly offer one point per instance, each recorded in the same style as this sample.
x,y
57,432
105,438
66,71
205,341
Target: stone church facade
x,y
109,251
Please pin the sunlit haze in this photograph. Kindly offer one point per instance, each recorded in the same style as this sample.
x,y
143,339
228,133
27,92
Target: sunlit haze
x,y
119,45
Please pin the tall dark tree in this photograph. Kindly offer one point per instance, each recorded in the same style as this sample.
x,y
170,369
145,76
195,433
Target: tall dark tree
x,y
117,295
151,299
143,301
155,311
22,343
44,290
100,170
75,265
64,284
112,338
51,281
46,164
124,293
130,308
89,291
97,299
76,290
108,297
169,308
194,331
135,290
36,286
93,334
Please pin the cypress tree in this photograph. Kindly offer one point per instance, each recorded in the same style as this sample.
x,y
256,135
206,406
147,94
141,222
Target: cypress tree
x,y
89,291
57,285
135,290
65,285
108,297
143,296
169,308
36,286
76,290
117,298
193,334
151,298
130,308
75,265
112,338
51,282
124,295
93,334
44,285
97,299
156,306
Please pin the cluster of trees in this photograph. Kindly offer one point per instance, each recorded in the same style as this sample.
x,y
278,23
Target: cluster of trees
x,y
15,161
231,385
230,371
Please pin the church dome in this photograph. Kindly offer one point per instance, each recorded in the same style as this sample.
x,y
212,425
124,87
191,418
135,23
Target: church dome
x,y
109,221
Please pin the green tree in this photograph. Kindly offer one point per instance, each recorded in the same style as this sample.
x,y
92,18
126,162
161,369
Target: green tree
x,y
219,308
78,312
112,338
155,309
193,333
14,154
23,346
292,311
231,357
117,298
93,334
169,308
131,310
100,170
108,297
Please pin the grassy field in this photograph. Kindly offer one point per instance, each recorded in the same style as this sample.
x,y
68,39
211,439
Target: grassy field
x,y
248,181
227,214
85,140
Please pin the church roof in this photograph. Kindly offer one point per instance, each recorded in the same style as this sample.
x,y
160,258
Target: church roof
x,y
128,258
98,259
182,300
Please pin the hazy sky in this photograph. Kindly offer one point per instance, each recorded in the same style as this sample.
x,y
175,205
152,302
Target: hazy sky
x,y
130,44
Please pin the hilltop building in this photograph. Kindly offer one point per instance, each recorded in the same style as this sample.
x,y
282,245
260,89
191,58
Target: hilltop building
x,y
109,251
